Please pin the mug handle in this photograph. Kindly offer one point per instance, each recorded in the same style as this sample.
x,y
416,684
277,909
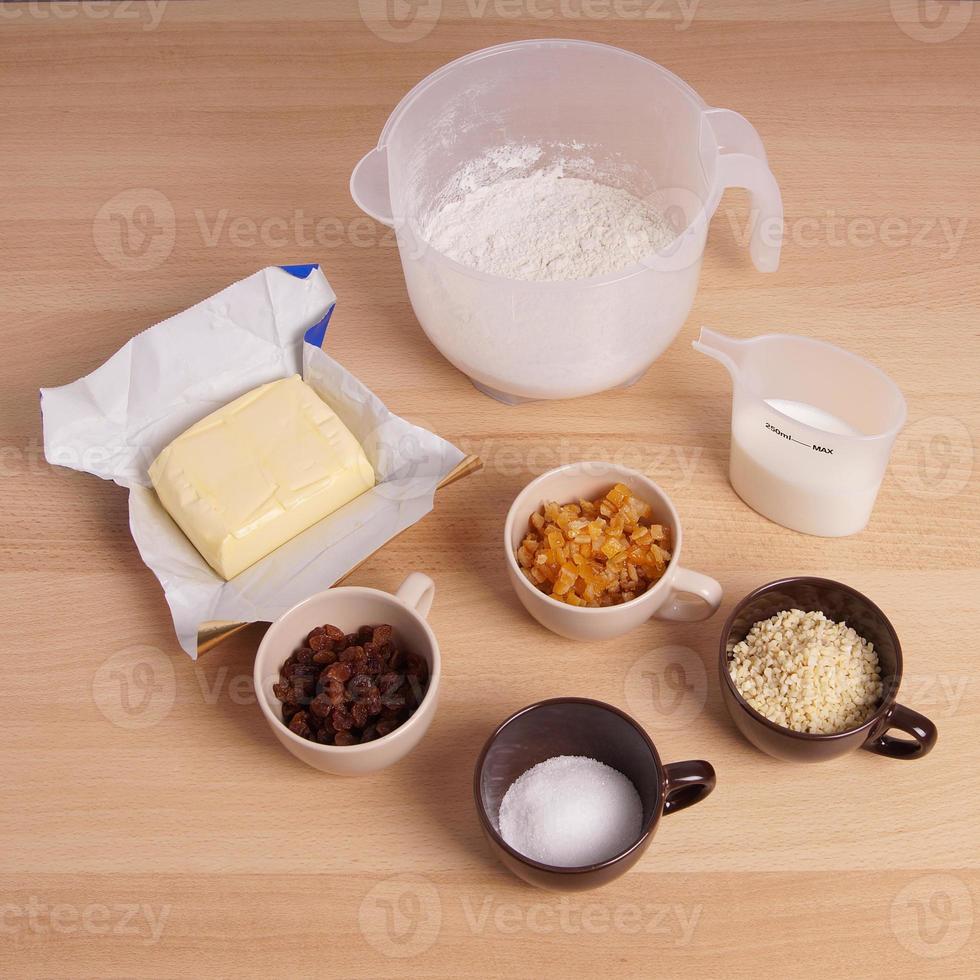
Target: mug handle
x,y
682,610
687,783
417,592
924,735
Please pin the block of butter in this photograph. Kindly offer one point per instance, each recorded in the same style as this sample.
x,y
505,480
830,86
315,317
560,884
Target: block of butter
x,y
254,474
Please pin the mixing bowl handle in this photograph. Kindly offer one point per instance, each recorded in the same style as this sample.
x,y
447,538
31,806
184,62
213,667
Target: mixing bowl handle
x,y
707,590
742,163
923,732
369,186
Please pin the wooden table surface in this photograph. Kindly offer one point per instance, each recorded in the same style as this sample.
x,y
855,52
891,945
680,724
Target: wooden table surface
x,y
151,823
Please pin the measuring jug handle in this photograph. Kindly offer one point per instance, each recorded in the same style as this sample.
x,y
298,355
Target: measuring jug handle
x,y
742,163
705,588
369,186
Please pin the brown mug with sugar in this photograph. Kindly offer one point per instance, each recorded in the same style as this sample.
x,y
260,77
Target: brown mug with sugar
x,y
840,603
582,727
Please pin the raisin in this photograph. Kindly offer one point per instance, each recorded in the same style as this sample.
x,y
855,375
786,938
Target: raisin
x,y
333,632
341,720
369,734
304,656
353,639
352,653
381,634
373,665
374,706
338,672
280,690
324,657
335,692
321,705
320,641
390,681
393,700
359,713
413,692
298,725
325,736
365,633
360,686
386,726
345,738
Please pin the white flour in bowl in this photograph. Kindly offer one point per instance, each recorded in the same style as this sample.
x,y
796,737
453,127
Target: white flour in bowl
x,y
546,226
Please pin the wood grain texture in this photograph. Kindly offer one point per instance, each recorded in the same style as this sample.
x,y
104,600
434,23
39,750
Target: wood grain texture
x,y
152,825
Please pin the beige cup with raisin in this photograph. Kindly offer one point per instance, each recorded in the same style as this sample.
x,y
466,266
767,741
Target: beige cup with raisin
x,y
349,608
678,594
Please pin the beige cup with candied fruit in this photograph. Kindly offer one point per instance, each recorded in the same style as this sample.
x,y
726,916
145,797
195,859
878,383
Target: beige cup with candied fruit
x,y
593,551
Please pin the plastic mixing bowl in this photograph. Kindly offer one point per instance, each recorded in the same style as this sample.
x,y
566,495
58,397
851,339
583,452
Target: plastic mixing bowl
x,y
606,114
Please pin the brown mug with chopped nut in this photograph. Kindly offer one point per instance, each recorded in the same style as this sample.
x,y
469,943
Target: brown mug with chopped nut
x,y
841,604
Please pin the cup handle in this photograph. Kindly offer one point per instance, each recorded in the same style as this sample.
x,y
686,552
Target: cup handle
x,y
687,783
923,732
682,610
417,592
742,163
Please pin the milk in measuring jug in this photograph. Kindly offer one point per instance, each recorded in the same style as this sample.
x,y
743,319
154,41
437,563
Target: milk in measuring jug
x,y
781,472
794,458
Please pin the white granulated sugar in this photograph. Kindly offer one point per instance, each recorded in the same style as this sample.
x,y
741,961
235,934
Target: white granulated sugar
x,y
543,225
571,811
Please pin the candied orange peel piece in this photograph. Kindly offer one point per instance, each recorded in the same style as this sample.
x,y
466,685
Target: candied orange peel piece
x,y
595,552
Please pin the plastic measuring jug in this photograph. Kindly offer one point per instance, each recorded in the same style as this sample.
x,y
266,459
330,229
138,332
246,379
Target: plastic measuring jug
x,y
812,429
603,113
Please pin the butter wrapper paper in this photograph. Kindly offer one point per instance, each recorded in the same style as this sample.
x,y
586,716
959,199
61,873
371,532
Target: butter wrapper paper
x,y
114,422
